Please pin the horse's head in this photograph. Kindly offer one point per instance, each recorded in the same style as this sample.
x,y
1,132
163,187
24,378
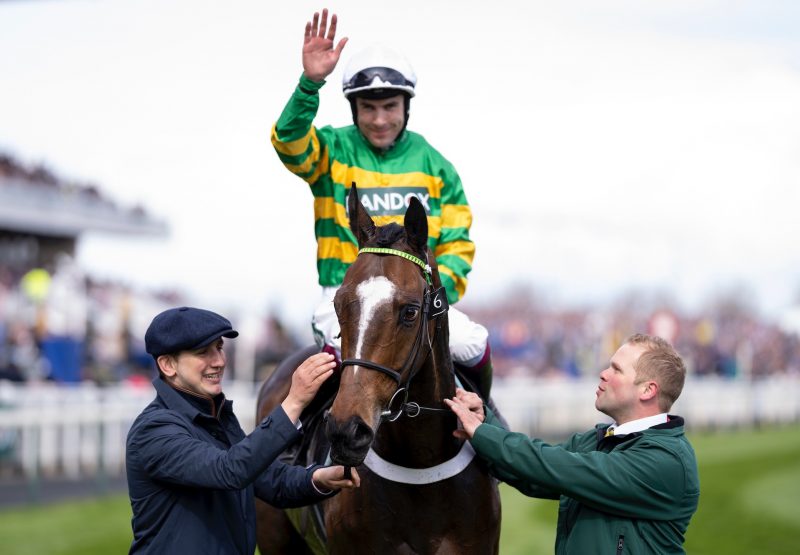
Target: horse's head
x,y
383,306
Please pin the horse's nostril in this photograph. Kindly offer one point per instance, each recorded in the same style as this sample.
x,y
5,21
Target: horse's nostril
x,y
355,434
362,436
331,429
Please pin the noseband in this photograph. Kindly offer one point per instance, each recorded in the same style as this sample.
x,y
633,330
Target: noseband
x,y
434,305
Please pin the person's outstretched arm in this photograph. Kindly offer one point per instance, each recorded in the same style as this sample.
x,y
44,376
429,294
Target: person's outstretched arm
x,y
166,447
296,140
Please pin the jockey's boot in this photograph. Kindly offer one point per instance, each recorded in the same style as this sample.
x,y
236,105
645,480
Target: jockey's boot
x,y
480,374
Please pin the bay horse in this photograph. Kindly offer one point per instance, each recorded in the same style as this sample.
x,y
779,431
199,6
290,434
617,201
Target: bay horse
x,y
422,491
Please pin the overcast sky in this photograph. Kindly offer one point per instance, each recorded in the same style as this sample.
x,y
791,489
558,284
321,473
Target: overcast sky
x,y
603,146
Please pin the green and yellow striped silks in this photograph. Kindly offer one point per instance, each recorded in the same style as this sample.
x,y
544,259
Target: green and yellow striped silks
x,y
330,159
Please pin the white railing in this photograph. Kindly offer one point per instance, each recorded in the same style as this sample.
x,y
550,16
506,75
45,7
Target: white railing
x,y
78,431
74,432
555,408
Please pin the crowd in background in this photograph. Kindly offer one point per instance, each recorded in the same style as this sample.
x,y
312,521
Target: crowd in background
x,y
59,324
727,338
56,323
64,326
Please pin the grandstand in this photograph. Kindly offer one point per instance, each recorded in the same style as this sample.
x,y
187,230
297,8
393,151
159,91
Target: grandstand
x,y
56,322
42,215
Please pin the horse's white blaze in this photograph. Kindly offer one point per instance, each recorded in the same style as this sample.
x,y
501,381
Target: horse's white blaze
x,y
372,293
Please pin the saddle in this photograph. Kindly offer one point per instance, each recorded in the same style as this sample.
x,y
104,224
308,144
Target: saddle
x,y
313,448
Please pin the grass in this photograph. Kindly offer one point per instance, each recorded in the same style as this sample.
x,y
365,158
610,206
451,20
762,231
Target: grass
x,y
749,492
749,503
529,525
88,527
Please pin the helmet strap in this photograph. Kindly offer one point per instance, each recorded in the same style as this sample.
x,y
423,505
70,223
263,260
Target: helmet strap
x,y
407,102
354,110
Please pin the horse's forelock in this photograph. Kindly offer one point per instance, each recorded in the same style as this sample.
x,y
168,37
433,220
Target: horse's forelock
x,y
389,234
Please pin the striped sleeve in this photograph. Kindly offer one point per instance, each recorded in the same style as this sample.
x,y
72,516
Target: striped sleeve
x,y
300,147
455,250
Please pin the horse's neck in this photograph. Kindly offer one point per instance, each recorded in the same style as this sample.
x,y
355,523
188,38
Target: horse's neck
x,y
425,440
436,382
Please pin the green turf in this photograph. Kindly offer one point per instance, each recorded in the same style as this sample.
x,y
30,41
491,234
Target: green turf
x,y
87,527
529,525
749,503
749,485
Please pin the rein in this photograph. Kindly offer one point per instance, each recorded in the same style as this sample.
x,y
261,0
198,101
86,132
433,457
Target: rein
x,y
434,304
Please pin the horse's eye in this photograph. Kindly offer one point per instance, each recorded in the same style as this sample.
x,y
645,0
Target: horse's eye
x,y
410,313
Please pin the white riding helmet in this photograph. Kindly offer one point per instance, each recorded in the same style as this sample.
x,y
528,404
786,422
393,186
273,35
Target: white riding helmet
x,y
378,71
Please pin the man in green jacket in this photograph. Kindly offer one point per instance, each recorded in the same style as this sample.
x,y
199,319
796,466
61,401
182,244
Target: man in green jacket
x,y
630,487
390,165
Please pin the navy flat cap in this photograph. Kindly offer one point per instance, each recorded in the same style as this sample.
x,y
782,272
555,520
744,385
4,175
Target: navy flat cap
x,y
185,329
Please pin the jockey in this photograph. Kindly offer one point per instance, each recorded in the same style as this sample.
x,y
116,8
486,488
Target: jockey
x,y
390,164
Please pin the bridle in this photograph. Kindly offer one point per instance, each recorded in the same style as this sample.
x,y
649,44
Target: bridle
x,y
434,305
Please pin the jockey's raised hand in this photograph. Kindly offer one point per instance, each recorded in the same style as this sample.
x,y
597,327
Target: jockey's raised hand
x,y
319,55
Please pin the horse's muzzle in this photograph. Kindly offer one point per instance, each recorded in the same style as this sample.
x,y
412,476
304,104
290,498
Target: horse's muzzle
x,y
350,441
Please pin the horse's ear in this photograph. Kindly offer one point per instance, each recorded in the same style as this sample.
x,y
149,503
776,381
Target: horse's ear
x,y
361,223
416,224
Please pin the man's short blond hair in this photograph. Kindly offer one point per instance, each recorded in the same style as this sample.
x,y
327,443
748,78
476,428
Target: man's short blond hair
x,y
661,363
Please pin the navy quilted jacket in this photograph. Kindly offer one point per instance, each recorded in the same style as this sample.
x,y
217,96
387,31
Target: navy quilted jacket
x,y
193,474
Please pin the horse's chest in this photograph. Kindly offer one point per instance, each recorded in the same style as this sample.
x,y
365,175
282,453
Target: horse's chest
x,y
388,517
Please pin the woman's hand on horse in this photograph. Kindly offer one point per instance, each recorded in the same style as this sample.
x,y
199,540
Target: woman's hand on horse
x,y
319,55
331,478
306,381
